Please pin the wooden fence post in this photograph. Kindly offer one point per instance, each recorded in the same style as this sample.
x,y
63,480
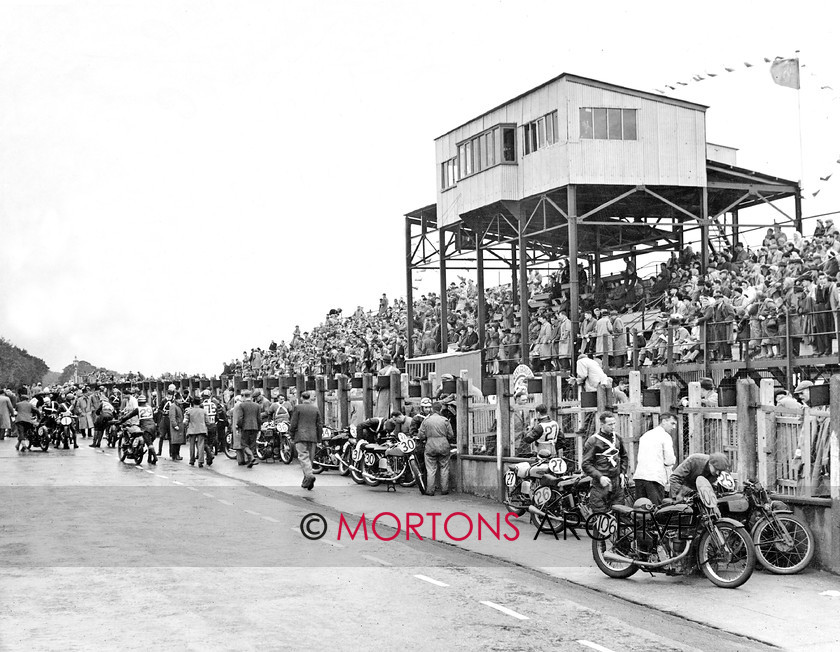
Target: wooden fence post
x,y
502,429
300,386
343,398
462,411
834,446
549,392
426,389
396,392
320,396
747,396
695,421
367,396
669,401
766,434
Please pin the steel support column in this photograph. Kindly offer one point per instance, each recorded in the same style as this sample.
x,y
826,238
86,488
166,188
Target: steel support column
x,y
704,231
444,335
735,234
525,344
409,295
798,209
514,287
479,253
574,283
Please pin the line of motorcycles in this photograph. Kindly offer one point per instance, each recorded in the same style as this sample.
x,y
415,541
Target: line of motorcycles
x,y
56,430
397,459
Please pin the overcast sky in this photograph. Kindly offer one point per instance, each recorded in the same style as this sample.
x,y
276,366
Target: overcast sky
x,y
180,181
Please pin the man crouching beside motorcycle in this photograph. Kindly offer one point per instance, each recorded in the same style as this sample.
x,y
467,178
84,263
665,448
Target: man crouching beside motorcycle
x,y
683,480
143,415
605,461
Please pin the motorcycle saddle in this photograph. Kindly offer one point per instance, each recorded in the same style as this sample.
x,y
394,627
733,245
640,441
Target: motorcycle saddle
x,y
394,452
624,509
376,448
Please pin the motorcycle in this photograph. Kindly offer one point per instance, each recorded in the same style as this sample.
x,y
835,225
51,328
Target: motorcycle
x,y
274,442
67,429
783,543
329,453
389,461
673,539
40,436
543,488
131,444
113,435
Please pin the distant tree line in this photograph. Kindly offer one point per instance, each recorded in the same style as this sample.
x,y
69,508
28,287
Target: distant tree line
x,y
18,367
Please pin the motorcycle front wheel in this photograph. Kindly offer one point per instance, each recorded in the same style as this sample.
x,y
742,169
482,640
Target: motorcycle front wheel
x,y
344,463
321,456
609,567
123,453
774,553
230,453
44,437
287,451
139,457
407,479
419,476
369,482
731,565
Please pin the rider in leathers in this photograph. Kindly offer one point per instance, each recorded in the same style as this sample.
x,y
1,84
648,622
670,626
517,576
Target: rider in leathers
x,y
605,461
145,418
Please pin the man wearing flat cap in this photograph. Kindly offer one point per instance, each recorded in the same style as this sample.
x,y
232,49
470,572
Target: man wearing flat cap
x,y
684,478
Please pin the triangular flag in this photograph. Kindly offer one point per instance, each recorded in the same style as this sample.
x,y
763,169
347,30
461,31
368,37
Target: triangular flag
x,y
822,88
682,84
785,72
710,74
748,65
825,178
766,60
729,69
814,194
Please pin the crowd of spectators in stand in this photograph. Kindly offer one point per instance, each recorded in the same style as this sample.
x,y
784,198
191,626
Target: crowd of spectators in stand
x,y
749,302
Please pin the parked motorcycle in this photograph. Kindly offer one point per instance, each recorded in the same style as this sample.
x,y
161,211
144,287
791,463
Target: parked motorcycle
x,y
274,442
674,539
113,435
329,453
131,444
41,436
386,462
784,544
553,497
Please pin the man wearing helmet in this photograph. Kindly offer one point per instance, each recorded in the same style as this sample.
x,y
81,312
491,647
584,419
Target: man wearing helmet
x,y
543,434
215,412
144,416
417,419
605,461
684,477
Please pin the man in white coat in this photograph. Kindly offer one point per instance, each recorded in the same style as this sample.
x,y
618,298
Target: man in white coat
x,y
655,459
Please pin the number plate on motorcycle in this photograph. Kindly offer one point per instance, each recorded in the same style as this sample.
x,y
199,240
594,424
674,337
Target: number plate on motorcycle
x,y
370,459
326,433
357,455
542,495
283,427
510,478
402,436
557,466
407,446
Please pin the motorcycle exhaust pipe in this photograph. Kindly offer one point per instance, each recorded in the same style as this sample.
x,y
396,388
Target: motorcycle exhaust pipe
x,y
395,478
538,512
612,556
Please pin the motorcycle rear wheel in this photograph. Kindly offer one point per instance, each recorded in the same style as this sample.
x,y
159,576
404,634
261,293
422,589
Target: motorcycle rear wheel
x,y
727,568
123,452
369,482
139,459
774,555
616,569
287,451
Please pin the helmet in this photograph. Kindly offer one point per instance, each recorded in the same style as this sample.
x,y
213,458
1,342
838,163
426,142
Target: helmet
x,y
171,387
725,481
141,399
257,392
643,505
426,402
206,393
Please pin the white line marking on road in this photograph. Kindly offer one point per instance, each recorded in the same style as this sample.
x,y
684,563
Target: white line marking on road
x,y
147,471
831,594
248,511
208,495
504,610
165,477
176,482
430,580
224,502
273,520
377,560
595,646
192,488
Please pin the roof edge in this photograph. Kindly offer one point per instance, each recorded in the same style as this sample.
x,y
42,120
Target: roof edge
x,y
587,82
